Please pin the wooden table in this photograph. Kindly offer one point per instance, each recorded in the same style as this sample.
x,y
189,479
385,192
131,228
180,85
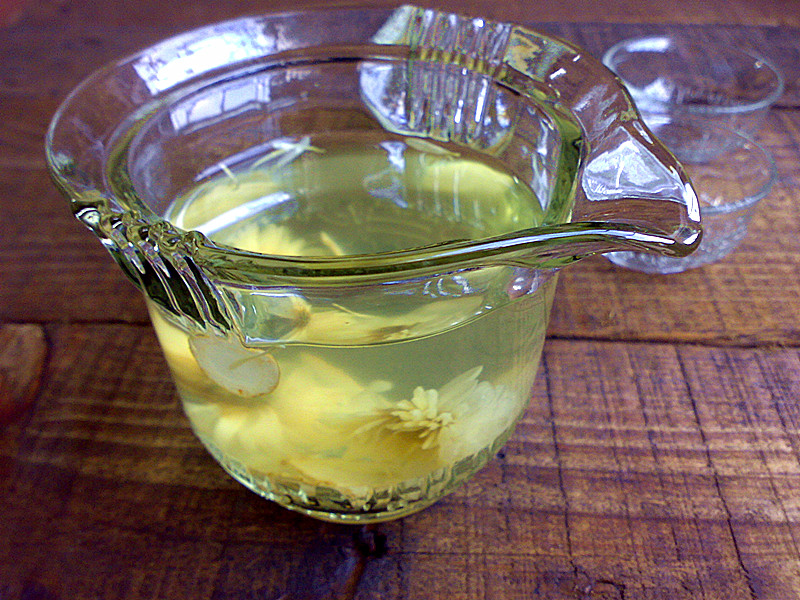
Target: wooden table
x,y
659,459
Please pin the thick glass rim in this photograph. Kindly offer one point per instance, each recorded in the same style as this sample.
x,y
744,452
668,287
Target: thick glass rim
x,y
545,67
767,160
664,42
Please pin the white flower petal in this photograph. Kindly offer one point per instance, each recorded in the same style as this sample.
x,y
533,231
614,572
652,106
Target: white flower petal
x,y
460,389
252,435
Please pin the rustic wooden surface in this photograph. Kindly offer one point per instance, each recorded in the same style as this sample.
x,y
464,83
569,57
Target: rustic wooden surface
x,y
659,459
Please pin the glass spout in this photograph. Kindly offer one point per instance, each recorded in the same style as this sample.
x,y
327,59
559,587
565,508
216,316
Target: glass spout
x,y
629,192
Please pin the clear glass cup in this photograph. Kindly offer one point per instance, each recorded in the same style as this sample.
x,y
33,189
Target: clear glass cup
x,y
675,80
348,228
729,190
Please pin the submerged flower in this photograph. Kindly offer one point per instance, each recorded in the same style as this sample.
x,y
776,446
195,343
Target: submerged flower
x,y
419,416
290,414
462,416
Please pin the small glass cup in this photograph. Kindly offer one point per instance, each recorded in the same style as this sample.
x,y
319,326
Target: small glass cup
x,y
729,190
674,81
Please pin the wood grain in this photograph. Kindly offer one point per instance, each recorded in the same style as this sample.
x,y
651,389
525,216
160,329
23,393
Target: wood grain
x,y
23,351
747,298
659,458
639,471
753,12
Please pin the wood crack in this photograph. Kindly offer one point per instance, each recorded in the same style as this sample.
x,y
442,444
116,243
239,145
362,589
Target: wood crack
x,y
557,457
716,481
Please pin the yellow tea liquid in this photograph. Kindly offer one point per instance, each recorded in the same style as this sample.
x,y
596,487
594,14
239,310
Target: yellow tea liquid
x,y
361,405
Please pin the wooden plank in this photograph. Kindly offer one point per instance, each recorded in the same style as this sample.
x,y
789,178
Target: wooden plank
x,y
654,470
645,498
106,493
767,12
647,471
51,266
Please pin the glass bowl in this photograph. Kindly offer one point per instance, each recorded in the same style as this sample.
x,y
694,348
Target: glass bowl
x,y
674,80
729,190
348,226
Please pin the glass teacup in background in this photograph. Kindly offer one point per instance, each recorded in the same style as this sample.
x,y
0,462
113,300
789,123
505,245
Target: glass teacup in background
x,y
705,102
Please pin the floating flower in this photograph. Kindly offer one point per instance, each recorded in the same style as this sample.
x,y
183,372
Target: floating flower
x,y
204,362
337,324
174,343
